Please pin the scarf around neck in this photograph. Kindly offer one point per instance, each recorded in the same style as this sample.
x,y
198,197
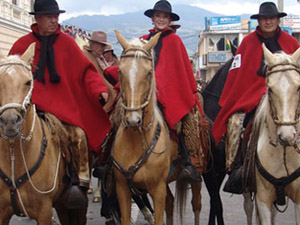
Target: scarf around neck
x,y
271,44
158,46
46,59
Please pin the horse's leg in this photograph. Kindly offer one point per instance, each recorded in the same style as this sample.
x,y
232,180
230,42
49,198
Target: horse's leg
x,y
159,200
297,213
45,214
169,206
248,207
144,204
196,201
264,212
97,196
124,199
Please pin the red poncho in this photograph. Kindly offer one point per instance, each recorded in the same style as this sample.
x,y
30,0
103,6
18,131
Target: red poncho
x,y
244,89
175,81
75,99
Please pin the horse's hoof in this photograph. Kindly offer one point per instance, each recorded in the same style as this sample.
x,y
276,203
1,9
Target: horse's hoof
x,y
96,199
90,191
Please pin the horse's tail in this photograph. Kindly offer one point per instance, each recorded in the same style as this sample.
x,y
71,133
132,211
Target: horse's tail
x,y
180,196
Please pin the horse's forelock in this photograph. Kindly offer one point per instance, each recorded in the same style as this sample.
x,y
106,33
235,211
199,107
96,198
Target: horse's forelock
x,y
9,60
281,57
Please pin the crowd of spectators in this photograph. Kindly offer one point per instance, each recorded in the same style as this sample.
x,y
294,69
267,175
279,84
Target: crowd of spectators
x,y
73,31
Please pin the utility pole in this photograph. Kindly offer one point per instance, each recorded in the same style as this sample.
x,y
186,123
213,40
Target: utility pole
x,y
280,9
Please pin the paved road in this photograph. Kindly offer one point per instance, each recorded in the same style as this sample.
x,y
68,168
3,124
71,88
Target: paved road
x,y
232,206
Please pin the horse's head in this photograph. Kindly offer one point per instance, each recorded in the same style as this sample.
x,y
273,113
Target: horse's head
x,y
16,85
137,82
283,83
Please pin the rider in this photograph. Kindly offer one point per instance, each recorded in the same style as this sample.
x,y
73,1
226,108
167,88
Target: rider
x,y
94,52
175,82
66,84
245,84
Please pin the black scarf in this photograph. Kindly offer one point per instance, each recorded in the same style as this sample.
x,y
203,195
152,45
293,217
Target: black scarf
x,y
158,45
46,57
272,45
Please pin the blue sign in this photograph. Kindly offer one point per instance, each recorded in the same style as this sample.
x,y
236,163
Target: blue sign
x,y
214,57
224,23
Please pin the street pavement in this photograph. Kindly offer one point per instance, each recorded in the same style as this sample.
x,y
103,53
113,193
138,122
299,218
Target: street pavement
x,y
232,207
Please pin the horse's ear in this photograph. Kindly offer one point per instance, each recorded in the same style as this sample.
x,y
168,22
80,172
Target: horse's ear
x,y
267,53
123,42
296,55
28,54
150,44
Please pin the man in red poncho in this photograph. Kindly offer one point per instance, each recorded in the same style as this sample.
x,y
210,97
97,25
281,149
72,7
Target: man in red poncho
x,y
66,83
245,84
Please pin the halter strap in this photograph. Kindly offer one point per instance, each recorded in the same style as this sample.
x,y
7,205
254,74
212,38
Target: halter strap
x,y
275,69
27,98
146,56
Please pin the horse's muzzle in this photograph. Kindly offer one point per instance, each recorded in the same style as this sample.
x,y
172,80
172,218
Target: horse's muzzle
x,y
10,123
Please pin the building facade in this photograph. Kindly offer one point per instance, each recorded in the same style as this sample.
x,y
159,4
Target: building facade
x,y
213,43
15,21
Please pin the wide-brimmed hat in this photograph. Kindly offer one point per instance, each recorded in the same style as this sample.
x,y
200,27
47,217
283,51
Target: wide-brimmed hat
x,y
163,6
99,36
174,26
268,9
46,7
108,48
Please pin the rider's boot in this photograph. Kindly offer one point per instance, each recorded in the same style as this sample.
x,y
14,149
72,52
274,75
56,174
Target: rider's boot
x,y
76,196
233,160
188,173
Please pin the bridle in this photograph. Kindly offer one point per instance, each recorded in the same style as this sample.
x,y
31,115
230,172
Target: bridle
x,y
26,102
282,68
146,56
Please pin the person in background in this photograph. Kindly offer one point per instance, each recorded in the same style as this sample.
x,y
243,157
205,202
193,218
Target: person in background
x,y
110,56
173,72
67,85
94,52
245,84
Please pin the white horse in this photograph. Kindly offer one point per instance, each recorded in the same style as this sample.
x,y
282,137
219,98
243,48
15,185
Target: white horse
x,y
276,136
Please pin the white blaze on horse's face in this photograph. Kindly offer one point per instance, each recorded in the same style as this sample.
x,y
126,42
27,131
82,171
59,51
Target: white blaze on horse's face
x,y
283,82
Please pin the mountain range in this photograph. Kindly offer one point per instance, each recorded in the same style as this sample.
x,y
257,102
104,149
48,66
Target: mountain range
x,y
134,24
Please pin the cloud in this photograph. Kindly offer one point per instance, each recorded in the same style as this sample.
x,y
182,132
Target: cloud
x,y
233,7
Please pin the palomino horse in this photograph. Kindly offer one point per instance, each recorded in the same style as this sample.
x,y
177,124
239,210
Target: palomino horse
x,y
275,137
32,170
143,150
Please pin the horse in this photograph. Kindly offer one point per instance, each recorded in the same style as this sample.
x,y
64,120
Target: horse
x,y
216,172
275,137
32,171
143,150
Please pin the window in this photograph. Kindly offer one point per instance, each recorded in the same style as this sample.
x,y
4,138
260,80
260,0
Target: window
x,y
15,2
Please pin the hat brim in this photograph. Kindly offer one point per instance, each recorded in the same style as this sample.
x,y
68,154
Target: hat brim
x,y
150,12
47,12
256,16
175,26
101,42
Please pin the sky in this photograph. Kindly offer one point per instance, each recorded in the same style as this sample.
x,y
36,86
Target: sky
x,y
110,7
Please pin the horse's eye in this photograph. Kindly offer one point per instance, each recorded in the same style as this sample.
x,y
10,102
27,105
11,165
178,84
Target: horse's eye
x,y
28,83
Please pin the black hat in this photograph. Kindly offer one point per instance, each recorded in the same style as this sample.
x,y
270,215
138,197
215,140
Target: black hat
x,y
163,6
46,7
268,9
